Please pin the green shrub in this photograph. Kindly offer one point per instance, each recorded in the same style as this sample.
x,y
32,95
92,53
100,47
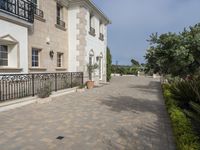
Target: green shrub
x,y
183,92
45,91
109,65
82,86
185,137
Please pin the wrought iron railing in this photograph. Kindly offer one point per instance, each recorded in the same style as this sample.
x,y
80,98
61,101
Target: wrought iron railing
x,y
60,22
14,86
92,31
101,36
19,8
39,13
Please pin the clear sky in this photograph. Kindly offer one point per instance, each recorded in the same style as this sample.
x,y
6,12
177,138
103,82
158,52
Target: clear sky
x,y
134,20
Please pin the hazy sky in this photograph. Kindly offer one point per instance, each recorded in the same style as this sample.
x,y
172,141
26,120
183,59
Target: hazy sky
x,y
134,20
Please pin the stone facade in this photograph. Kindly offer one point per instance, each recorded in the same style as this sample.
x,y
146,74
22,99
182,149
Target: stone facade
x,y
69,37
48,36
85,42
81,37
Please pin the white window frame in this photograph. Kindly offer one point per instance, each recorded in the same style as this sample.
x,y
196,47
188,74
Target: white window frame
x,y
38,61
4,59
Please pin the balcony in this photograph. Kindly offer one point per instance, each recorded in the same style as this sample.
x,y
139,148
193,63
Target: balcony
x,y
60,22
39,13
92,31
101,37
21,9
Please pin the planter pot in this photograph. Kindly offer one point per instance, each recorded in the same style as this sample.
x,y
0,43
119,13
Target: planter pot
x,y
90,84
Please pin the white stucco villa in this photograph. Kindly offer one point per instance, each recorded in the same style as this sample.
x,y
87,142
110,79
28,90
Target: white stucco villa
x,y
58,36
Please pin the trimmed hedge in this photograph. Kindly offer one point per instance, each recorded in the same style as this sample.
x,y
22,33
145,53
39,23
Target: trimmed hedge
x,y
185,137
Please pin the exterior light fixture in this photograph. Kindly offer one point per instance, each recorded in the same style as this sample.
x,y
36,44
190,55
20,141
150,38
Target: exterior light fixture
x,y
48,41
51,53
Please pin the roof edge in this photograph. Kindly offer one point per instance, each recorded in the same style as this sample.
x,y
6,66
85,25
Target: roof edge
x,y
92,5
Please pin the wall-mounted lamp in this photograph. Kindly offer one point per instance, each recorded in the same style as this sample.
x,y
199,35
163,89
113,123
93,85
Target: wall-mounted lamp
x,y
48,40
51,53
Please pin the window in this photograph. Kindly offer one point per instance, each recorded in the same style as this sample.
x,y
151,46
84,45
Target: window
x,y
92,25
91,20
59,13
3,55
35,57
59,59
59,10
101,31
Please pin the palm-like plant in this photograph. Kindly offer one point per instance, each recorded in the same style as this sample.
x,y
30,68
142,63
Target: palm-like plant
x,y
91,68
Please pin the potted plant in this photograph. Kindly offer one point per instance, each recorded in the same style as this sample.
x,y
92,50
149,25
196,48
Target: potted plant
x,y
81,88
91,68
44,94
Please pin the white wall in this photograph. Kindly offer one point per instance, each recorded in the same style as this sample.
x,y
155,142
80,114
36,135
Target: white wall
x,y
95,44
20,33
72,36
12,55
92,43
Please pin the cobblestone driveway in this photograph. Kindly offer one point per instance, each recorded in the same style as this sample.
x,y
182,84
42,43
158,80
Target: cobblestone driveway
x,y
128,114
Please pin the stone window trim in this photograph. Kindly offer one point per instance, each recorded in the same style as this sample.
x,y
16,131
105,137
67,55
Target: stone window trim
x,y
10,69
4,55
61,69
39,18
60,59
36,56
37,69
60,23
12,45
60,27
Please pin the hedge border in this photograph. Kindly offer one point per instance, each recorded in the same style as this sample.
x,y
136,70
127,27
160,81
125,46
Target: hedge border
x,y
185,137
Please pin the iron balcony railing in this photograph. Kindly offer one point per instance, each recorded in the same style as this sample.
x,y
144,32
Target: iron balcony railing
x,y
92,31
19,8
14,86
39,13
101,36
60,22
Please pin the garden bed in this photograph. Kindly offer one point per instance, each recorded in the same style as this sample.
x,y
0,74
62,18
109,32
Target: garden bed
x,y
186,138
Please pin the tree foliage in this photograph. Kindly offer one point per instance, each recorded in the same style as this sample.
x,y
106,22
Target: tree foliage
x,y
175,54
109,64
135,63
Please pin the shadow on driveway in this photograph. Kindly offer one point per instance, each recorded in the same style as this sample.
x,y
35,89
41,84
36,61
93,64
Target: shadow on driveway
x,y
128,103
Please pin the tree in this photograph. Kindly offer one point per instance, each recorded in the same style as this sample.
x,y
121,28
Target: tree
x,y
109,64
175,54
135,62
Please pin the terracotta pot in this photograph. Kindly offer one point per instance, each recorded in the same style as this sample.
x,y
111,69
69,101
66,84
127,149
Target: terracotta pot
x,y
90,84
